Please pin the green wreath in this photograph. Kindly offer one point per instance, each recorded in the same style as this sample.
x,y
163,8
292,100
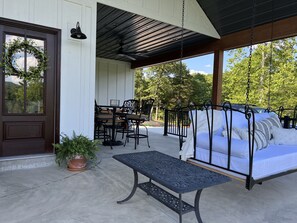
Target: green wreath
x,y
18,46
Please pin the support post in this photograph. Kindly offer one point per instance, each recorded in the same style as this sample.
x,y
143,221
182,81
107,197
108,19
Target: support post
x,y
217,77
166,123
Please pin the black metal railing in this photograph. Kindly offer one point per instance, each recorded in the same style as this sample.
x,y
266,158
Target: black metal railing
x,y
176,122
288,117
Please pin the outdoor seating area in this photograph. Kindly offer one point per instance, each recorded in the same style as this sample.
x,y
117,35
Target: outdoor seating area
x,y
52,194
125,119
85,83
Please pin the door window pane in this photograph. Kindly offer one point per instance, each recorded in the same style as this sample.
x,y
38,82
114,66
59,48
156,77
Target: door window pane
x,y
31,60
14,95
34,96
17,59
23,96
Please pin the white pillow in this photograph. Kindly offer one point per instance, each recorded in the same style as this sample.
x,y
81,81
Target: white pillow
x,y
266,124
239,120
233,136
239,148
260,140
283,136
202,124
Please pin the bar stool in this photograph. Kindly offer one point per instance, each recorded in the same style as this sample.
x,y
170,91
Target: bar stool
x,y
137,119
129,107
101,119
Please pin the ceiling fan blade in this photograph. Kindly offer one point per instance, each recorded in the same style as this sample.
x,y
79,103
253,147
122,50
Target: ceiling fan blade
x,y
127,56
137,52
132,55
141,55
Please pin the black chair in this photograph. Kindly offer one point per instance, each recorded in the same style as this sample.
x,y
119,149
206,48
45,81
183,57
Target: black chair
x,y
142,116
129,107
101,119
97,123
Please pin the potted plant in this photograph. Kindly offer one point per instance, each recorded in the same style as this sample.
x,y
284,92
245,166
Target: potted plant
x,y
75,151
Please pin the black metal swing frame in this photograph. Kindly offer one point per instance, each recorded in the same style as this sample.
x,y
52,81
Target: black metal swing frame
x,y
250,118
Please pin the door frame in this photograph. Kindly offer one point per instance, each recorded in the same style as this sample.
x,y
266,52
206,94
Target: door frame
x,y
57,61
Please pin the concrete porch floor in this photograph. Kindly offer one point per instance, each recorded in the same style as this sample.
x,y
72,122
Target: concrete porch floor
x,y
55,195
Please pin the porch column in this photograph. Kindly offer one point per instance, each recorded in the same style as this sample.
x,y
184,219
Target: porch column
x,y
217,76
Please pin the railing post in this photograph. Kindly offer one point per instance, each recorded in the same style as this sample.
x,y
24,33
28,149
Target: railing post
x,y
180,127
166,123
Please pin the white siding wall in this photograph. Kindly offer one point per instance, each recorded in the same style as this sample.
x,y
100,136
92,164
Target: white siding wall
x,y
114,80
77,56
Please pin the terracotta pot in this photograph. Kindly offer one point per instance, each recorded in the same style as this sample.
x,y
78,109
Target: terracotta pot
x,y
78,163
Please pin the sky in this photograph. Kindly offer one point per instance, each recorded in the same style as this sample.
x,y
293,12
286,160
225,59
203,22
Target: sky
x,y
203,64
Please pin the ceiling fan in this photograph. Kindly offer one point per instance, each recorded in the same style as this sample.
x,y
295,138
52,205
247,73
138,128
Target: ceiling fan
x,y
132,55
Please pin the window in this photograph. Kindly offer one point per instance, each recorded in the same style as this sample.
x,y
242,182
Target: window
x,y
23,96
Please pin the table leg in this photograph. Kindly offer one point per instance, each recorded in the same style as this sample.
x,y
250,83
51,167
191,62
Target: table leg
x,y
180,208
113,124
136,135
112,141
197,212
133,189
150,181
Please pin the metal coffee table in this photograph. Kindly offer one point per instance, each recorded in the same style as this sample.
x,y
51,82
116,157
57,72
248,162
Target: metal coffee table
x,y
176,175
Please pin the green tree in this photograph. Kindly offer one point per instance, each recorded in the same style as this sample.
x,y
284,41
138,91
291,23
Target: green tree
x,y
169,84
140,84
234,80
272,75
202,88
159,86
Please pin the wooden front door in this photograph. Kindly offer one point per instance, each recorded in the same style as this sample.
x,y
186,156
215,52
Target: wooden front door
x,y
29,108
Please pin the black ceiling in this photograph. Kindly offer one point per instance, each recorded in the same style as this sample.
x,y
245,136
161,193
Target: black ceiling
x,y
137,34
229,16
146,37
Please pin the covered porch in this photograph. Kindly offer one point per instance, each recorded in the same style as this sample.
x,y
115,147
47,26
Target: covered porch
x,y
130,37
52,194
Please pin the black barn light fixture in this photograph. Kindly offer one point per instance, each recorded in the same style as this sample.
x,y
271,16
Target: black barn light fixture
x,y
76,32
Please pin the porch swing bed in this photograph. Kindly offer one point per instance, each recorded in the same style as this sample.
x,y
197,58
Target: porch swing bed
x,y
250,147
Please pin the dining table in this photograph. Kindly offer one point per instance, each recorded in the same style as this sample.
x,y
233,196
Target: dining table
x,y
112,141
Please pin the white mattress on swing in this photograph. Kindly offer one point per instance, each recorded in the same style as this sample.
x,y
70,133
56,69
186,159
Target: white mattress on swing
x,y
272,160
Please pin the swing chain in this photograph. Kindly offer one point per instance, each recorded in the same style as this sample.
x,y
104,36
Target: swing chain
x,y
249,74
180,113
250,54
181,48
271,53
182,32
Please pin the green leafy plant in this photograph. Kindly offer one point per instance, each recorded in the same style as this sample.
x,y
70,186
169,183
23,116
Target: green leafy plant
x,y
77,145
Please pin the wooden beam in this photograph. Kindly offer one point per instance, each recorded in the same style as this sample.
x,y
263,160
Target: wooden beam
x,y
281,29
217,77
